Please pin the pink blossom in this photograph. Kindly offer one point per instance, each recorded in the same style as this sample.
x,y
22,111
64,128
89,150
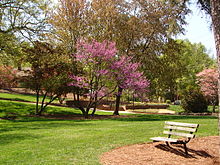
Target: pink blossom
x,y
208,81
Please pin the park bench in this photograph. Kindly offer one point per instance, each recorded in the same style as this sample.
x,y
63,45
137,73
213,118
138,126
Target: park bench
x,y
176,129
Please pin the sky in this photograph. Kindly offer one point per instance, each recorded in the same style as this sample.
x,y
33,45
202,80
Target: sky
x,y
198,30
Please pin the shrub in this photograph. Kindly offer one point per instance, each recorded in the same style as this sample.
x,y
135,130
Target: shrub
x,y
194,101
7,77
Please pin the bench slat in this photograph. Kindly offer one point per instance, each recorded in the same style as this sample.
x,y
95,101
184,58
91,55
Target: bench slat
x,y
180,128
179,134
181,124
164,139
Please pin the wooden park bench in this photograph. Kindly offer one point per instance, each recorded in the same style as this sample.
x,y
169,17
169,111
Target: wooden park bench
x,y
183,130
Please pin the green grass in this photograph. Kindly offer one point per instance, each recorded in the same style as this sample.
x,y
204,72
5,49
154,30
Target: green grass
x,y
32,140
21,97
176,108
179,109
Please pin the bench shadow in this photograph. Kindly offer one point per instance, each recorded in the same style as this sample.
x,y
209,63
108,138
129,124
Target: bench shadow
x,y
179,150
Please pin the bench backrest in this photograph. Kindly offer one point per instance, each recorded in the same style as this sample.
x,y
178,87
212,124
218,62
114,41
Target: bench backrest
x,y
180,129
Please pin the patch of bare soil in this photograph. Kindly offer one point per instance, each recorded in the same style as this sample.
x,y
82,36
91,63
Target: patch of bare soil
x,y
202,151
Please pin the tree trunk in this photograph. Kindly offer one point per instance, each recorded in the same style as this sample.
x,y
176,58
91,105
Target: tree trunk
x,y
215,13
37,102
213,108
117,103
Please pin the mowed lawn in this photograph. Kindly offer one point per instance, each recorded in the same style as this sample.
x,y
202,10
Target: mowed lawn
x,y
31,140
23,97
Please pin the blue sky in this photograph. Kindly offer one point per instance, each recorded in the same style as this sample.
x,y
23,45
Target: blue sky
x,y
198,30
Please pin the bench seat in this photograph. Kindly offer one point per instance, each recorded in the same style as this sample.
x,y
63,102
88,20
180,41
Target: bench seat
x,y
177,129
165,139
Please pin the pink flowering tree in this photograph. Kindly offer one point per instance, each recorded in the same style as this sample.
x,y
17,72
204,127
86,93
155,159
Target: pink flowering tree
x,y
103,71
126,75
208,81
93,80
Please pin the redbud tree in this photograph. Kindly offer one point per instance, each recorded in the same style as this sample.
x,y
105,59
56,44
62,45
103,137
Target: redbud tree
x,y
208,81
103,71
126,75
93,80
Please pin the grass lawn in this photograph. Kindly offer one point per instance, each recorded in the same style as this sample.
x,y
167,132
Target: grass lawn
x,y
31,140
22,97
179,109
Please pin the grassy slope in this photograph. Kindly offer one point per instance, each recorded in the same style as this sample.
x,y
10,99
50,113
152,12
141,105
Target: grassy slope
x,y
21,97
43,141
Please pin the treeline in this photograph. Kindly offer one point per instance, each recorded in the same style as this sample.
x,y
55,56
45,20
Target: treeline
x,y
45,36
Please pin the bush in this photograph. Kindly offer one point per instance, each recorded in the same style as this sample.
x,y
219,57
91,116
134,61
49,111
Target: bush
x,y
194,101
7,77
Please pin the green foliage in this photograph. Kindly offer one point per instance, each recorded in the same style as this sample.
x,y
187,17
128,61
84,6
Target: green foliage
x,y
11,50
24,16
194,101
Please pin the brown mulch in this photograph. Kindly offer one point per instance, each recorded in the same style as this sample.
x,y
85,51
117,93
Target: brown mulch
x,y
202,151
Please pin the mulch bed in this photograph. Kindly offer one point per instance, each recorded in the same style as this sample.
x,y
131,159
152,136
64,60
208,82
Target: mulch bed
x,y
202,151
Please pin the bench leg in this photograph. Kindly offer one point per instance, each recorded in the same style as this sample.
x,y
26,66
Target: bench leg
x,y
185,148
167,143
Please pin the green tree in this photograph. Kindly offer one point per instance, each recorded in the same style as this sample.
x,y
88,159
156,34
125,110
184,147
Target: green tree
x,y
24,16
212,7
48,75
194,58
139,28
20,20
11,51
175,70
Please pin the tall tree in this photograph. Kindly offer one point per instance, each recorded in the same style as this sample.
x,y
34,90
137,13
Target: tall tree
x,y
24,16
69,23
215,5
140,28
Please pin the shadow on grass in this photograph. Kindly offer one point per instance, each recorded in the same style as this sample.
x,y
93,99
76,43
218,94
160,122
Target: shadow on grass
x,y
16,137
158,117
15,99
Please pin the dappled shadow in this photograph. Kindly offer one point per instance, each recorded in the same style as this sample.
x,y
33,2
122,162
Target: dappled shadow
x,y
179,150
16,137
38,124
16,99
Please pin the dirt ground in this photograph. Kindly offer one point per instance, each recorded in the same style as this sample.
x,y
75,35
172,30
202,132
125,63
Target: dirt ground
x,y
202,151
